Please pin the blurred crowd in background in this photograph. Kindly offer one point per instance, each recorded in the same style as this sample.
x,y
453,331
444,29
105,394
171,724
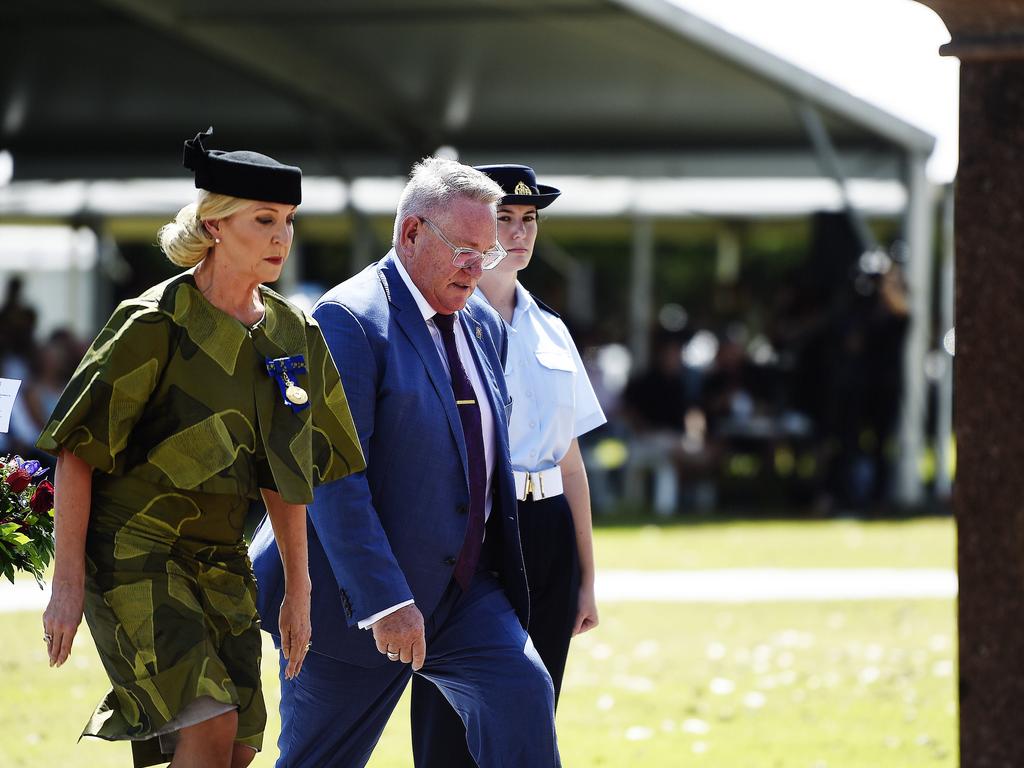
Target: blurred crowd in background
x,y
43,365
801,414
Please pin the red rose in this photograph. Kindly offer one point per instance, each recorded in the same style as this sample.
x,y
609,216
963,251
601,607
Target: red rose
x,y
19,480
42,499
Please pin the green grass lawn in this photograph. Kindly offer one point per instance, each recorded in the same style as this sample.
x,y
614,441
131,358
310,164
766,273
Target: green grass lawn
x,y
688,543
786,685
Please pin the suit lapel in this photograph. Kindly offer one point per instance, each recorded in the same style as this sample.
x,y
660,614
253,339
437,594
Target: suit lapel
x,y
411,321
474,332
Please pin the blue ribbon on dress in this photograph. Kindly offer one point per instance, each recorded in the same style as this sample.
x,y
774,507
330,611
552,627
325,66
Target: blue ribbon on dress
x,y
285,370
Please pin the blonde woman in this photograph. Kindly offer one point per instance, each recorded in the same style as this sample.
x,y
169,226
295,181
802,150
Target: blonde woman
x,y
202,394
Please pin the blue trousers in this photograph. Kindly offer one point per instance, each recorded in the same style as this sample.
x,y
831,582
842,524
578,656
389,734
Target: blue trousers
x,y
553,572
478,656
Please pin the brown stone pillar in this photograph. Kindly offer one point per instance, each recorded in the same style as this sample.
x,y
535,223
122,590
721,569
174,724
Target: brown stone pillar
x,y
988,496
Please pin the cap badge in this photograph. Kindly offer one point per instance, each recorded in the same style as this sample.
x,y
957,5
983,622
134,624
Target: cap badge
x,y
523,189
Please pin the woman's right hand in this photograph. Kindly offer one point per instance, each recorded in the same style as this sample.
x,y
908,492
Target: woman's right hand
x,y
61,618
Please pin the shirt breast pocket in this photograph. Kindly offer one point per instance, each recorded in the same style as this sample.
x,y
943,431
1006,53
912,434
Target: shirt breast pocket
x,y
558,373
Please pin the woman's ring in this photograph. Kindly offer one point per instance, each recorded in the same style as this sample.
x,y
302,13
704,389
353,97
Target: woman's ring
x,y
47,638
392,656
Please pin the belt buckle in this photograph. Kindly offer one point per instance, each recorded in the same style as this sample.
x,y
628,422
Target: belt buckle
x,y
527,487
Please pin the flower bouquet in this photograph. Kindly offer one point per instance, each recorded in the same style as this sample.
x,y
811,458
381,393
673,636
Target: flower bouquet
x,y
26,518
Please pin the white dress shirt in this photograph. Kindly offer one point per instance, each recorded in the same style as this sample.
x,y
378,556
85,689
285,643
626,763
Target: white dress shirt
x,y
486,413
552,398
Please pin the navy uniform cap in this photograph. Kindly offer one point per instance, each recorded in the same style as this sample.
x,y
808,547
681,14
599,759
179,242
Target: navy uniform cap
x,y
244,174
519,183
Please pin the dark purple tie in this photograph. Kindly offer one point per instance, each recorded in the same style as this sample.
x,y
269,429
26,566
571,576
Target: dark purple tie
x,y
469,414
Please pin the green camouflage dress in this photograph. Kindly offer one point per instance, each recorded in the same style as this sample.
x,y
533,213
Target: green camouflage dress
x,y
174,409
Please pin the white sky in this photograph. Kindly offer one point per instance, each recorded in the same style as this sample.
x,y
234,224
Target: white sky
x,y
883,51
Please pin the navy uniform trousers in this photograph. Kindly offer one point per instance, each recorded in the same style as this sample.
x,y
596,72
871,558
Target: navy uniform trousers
x,y
480,658
439,737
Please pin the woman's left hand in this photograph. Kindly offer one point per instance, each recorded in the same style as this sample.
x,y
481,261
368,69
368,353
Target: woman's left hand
x,y
586,611
293,621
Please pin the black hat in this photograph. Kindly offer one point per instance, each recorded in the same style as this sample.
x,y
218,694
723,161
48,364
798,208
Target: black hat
x,y
244,174
519,183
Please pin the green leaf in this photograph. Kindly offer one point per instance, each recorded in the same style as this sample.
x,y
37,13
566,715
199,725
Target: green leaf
x,y
21,538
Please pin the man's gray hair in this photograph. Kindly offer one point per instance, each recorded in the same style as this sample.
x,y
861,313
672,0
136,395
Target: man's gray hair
x,y
436,182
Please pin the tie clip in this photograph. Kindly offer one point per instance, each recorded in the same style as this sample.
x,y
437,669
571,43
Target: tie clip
x,y
465,402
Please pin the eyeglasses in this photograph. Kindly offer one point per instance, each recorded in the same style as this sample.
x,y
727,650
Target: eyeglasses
x,y
465,258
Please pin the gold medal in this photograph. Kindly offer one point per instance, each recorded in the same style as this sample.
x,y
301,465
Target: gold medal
x,y
296,394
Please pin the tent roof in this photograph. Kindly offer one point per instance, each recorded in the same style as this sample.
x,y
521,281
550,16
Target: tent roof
x,y
111,88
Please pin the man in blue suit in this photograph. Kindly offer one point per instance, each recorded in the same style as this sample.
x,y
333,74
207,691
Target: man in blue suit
x,y
415,563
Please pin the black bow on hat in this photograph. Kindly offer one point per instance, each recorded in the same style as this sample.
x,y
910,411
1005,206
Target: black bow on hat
x,y
242,173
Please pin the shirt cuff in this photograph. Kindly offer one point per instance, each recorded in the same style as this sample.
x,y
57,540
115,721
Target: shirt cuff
x,y
369,622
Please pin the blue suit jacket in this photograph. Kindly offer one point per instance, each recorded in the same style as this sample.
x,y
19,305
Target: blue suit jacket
x,y
393,532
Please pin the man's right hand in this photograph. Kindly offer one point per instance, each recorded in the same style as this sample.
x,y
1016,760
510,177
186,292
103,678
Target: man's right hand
x,y
399,635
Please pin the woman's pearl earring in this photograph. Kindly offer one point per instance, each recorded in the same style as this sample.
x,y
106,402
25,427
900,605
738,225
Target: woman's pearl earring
x,y
216,240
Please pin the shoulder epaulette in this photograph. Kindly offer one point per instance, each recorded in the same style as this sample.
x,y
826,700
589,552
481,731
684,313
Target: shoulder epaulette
x,y
544,306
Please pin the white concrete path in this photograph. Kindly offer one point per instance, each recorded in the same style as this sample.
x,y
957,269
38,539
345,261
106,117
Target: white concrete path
x,y
727,585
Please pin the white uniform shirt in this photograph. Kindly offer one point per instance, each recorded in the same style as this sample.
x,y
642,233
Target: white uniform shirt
x,y
552,399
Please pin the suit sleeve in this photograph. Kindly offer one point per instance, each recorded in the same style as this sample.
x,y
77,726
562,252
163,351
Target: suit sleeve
x,y
342,511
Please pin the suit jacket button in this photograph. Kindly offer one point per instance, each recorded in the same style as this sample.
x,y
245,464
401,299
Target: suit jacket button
x,y
449,560
462,509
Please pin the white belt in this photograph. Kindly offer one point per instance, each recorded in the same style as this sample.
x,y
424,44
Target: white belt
x,y
541,485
